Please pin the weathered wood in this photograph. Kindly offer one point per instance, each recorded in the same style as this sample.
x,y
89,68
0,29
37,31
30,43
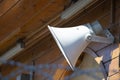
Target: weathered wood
x,y
30,53
44,50
112,67
115,76
18,16
35,18
109,52
7,5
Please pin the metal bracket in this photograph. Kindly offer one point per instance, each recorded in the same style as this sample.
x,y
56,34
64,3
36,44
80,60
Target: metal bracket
x,y
108,35
108,39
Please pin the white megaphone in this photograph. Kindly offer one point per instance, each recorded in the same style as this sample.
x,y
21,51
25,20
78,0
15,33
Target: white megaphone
x,y
72,41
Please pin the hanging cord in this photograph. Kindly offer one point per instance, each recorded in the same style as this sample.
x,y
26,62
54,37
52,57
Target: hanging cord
x,y
74,1
119,43
33,72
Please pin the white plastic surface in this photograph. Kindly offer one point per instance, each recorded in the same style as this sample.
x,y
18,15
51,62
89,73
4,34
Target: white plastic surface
x,y
71,41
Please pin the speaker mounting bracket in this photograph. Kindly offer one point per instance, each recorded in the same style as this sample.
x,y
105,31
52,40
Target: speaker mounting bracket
x,y
108,39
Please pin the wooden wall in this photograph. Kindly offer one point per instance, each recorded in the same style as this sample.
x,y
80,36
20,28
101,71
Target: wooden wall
x,y
111,63
47,52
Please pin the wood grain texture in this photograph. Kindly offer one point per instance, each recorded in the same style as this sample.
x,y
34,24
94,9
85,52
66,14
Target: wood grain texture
x,y
30,18
112,66
7,5
109,52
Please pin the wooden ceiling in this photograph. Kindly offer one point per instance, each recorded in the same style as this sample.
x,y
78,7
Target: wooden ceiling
x,y
28,19
23,18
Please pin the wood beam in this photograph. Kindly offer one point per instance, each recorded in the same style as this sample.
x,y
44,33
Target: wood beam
x,y
7,5
25,23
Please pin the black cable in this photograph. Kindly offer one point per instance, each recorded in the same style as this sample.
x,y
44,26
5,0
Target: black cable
x,y
74,1
119,48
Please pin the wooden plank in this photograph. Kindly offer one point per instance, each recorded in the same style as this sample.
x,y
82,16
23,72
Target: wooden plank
x,y
48,58
115,76
89,15
100,12
112,67
36,51
43,18
31,53
7,5
36,20
98,43
97,46
109,53
39,51
9,42
19,15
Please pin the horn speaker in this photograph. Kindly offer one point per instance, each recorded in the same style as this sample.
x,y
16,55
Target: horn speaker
x,y
73,40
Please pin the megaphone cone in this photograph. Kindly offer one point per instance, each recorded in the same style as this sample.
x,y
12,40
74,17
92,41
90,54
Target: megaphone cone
x,y
71,41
